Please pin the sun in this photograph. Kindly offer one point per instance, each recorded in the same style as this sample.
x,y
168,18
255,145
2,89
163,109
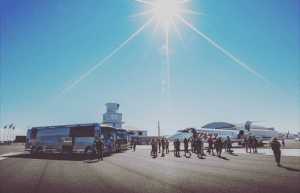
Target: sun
x,y
166,11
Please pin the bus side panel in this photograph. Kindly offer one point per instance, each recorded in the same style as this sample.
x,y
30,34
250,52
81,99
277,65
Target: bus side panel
x,y
80,143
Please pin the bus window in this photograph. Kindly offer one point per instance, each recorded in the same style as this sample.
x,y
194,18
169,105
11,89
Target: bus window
x,y
82,131
33,133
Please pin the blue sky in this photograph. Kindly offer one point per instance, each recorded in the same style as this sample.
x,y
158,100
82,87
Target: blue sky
x,y
46,47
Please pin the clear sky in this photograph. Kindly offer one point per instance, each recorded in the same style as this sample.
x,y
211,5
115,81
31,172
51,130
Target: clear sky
x,y
228,60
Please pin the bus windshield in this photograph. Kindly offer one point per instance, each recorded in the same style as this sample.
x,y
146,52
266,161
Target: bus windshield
x,y
108,133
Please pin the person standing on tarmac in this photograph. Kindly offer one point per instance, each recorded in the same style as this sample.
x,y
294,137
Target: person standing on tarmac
x,y
228,144
177,147
163,147
134,144
193,145
155,148
198,146
276,150
131,143
99,147
246,144
220,146
210,146
250,143
159,145
283,144
186,147
152,145
255,145
167,147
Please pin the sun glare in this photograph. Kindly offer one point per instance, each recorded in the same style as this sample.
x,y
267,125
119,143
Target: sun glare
x,y
166,11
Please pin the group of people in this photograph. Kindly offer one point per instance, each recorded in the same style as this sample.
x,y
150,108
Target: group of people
x,y
218,145
251,143
162,144
197,147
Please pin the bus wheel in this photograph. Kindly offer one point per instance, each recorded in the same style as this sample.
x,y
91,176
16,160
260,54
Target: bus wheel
x,y
33,150
39,150
88,151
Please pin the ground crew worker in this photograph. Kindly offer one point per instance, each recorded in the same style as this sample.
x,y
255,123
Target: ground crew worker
x,y
276,150
186,147
131,143
100,147
246,144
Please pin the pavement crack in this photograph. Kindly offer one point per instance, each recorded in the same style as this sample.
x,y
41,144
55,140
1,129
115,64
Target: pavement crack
x,y
40,179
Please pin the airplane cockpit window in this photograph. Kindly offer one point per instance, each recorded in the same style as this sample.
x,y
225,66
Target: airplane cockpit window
x,y
180,131
185,131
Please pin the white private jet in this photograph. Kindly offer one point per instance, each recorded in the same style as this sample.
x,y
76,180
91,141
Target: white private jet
x,y
205,134
236,133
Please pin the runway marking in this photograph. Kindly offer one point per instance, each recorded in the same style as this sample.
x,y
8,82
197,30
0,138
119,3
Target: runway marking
x,y
6,155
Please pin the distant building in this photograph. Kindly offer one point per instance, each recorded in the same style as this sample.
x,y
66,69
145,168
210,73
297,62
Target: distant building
x,y
112,117
20,139
134,132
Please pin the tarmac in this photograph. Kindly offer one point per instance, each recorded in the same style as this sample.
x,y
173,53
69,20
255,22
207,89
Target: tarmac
x,y
137,171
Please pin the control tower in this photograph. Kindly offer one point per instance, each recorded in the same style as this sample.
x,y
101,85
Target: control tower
x,y
112,117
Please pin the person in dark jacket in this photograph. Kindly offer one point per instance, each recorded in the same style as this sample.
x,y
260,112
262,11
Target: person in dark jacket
x,y
276,150
99,147
250,143
186,147
255,145
163,146
216,146
177,147
199,144
152,145
210,146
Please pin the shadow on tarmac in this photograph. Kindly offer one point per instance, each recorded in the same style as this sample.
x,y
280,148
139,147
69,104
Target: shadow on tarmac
x,y
224,158
290,169
56,156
